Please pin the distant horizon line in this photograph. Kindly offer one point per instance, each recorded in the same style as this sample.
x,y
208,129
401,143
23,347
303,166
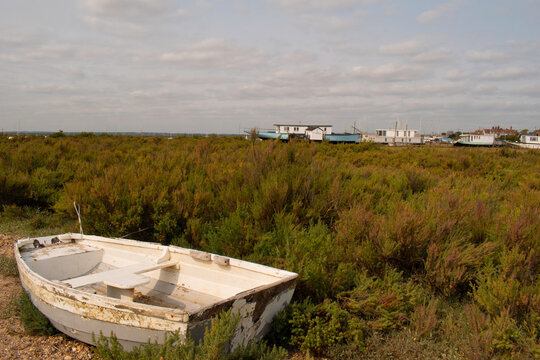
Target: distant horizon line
x,y
144,133
190,134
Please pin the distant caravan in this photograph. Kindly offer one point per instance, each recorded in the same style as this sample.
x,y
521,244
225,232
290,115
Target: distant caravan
x,y
476,140
528,141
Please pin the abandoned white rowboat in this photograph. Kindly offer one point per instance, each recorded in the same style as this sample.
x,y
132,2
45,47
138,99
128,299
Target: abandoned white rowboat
x,y
142,291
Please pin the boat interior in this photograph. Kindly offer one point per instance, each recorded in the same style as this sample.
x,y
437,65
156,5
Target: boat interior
x,y
164,276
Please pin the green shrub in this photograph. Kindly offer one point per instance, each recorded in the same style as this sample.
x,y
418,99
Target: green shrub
x,y
481,335
384,303
13,212
500,336
424,319
8,266
459,225
215,345
320,264
506,336
58,134
34,322
451,267
317,328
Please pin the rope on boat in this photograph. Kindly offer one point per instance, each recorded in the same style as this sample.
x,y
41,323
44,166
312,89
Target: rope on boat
x,y
150,227
78,211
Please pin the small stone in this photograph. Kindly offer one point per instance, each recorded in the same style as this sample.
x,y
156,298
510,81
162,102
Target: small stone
x,y
67,357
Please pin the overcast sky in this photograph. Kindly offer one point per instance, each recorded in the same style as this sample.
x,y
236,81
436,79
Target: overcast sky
x,y
223,66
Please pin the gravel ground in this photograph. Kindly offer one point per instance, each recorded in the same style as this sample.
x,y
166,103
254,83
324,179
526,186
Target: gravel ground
x,y
14,343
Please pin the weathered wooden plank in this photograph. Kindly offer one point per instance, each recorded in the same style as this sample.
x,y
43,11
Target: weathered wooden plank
x,y
116,275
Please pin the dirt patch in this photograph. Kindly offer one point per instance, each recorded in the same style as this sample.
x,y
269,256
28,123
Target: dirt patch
x,y
14,343
6,245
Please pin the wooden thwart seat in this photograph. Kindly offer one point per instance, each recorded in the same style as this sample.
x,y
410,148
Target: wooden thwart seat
x,y
122,281
124,288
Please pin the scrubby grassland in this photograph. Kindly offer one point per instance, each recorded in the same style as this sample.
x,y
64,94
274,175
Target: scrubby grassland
x,y
404,252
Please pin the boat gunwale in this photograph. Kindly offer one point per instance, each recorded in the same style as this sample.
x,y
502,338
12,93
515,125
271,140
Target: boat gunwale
x,y
251,266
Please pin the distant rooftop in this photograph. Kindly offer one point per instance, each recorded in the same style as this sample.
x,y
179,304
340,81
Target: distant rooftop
x,y
308,125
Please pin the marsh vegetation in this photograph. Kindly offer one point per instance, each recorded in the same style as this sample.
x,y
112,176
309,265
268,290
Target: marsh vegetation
x,y
427,250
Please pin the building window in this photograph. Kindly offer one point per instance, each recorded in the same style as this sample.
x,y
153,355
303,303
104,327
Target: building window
x,y
286,128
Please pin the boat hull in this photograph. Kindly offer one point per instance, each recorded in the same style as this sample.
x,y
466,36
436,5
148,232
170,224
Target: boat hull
x,y
342,138
473,144
84,316
88,330
523,145
272,136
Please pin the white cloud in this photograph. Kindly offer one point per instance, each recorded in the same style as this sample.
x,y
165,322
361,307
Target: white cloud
x,y
345,46
130,8
430,16
444,89
391,72
456,75
298,57
118,28
529,90
129,17
214,53
485,56
53,51
321,5
301,78
412,47
326,21
301,83
50,89
483,89
416,51
64,52
15,39
433,56
508,73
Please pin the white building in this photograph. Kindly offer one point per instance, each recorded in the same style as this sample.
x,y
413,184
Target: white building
x,y
396,137
303,130
395,133
317,133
